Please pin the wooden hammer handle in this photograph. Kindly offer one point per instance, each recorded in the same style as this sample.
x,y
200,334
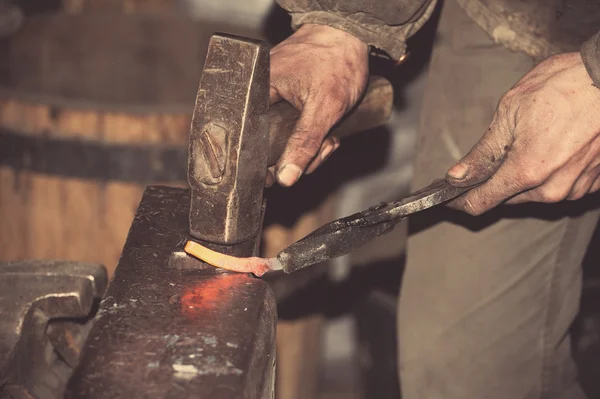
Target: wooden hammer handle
x,y
373,110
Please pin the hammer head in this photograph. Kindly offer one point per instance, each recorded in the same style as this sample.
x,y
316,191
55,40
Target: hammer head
x,y
229,141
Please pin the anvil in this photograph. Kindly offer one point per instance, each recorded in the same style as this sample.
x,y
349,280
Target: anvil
x,y
170,326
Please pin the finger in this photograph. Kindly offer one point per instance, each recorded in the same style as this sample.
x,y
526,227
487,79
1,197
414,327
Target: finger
x,y
484,158
554,189
571,181
595,185
546,193
520,198
270,179
305,142
584,182
493,192
581,187
327,148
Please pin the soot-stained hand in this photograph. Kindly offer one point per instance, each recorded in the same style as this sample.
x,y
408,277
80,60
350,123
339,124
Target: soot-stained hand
x,y
543,144
322,72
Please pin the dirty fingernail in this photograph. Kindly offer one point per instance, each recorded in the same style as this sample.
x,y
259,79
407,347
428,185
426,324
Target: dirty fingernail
x,y
458,171
288,174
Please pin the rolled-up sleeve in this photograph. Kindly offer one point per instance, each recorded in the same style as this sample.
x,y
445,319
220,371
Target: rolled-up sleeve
x,y
383,24
590,53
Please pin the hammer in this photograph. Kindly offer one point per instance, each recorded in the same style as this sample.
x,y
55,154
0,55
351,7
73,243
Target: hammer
x,y
235,136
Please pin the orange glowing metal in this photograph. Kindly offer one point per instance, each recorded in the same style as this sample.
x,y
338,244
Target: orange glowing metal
x,y
255,265
213,293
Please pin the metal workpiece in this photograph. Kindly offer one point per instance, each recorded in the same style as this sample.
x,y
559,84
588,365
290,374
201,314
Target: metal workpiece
x,y
171,326
229,139
46,309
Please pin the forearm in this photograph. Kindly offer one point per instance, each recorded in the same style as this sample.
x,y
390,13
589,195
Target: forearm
x,y
590,52
383,24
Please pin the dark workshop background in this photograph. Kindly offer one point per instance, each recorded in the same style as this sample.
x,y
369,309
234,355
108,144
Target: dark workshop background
x,y
86,84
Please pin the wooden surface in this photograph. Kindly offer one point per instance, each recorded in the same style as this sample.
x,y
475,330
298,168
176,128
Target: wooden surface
x,y
54,217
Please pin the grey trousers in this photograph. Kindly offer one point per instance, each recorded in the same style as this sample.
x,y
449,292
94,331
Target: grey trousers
x,y
486,302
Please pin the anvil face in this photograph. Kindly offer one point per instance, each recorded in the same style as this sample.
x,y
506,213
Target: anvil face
x,y
171,326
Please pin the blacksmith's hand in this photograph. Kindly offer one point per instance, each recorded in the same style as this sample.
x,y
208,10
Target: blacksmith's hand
x,y
322,72
543,144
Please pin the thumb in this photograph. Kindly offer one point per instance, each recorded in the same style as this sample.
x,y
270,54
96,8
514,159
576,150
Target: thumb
x,y
483,159
305,142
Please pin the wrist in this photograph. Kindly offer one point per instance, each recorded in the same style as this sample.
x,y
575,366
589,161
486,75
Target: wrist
x,y
330,36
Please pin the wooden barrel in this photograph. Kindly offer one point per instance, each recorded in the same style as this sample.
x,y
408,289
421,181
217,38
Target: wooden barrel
x,y
53,207
93,107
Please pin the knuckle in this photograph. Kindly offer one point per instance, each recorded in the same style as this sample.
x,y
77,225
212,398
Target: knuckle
x,y
343,91
336,90
551,194
506,101
529,178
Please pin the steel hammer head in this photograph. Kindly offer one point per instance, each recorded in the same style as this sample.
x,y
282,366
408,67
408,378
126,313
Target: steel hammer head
x,y
229,141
